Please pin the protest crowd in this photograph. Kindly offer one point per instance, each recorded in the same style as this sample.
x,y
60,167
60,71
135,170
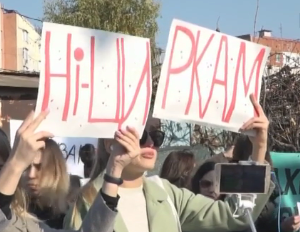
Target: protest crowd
x,y
115,193
58,201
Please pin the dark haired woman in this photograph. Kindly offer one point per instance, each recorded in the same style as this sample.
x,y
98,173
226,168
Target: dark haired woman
x,y
177,168
203,181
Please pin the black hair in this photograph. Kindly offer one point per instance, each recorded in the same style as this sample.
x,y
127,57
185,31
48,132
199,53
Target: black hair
x,y
87,155
202,171
5,147
243,150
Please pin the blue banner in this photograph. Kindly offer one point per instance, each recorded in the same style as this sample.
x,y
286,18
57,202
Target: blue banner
x,y
287,170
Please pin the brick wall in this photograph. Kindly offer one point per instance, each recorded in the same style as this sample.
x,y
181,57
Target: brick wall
x,y
10,53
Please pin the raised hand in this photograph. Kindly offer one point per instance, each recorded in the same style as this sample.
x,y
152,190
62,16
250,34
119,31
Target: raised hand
x,y
126,149
26,146
27,143
260,124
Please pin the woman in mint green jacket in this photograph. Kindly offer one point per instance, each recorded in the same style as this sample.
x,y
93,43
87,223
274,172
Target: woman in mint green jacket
x,y
146,206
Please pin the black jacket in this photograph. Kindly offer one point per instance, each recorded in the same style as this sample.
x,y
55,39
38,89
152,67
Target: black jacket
x,y
46,215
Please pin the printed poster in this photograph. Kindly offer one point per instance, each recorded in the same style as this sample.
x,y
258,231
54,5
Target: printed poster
x,y
69,147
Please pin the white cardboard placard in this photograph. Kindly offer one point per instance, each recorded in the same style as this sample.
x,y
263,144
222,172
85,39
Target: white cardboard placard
x,y
93,82
206,77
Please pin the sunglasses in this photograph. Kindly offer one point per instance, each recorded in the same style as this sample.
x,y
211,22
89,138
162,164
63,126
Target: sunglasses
x,y
205,183
156,136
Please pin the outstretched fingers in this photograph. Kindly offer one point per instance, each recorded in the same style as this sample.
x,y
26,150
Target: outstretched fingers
x,y
256,105
37,121
28,120
258,122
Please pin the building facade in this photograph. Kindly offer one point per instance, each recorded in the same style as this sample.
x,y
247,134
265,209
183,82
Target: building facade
x,y
283,51
21,43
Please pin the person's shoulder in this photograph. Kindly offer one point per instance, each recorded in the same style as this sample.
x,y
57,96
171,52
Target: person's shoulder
x,y
219,158
19,224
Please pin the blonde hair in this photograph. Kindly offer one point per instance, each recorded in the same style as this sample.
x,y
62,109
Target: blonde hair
x,y
88,192
54,184
54,180
19,204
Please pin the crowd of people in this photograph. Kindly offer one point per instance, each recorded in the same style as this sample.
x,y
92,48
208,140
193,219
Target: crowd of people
x,y
38,195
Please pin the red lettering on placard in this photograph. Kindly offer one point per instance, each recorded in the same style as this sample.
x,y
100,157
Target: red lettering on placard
x,y
182,68
49,75
121,79
257,62
216,81
76,89
145,74
78,55
92,62
195,76
118,80
194,60
122,113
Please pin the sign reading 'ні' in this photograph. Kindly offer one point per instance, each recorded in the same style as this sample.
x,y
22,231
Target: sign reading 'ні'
x,y
93,82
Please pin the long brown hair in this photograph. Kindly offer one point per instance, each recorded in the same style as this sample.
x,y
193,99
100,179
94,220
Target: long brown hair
x,y
177,168
19,202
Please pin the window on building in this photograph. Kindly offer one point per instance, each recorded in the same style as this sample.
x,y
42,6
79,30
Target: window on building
x,y
25,36
278,58
288,59
25,55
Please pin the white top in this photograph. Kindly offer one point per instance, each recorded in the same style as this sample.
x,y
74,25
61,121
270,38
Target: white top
x,y
132,207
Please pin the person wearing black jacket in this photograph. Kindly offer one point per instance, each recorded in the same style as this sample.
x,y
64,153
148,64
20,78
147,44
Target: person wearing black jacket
x,y
47,184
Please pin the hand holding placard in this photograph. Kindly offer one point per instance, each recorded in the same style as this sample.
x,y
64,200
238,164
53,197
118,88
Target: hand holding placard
x,y
260,124
207,77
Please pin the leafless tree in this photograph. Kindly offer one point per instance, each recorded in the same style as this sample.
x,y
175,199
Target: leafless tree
x,y
216,140
282,106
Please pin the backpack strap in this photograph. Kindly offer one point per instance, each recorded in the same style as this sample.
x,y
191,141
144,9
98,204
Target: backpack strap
x,y
159,182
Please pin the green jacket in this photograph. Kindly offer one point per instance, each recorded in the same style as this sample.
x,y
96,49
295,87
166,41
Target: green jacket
x,y
196,212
